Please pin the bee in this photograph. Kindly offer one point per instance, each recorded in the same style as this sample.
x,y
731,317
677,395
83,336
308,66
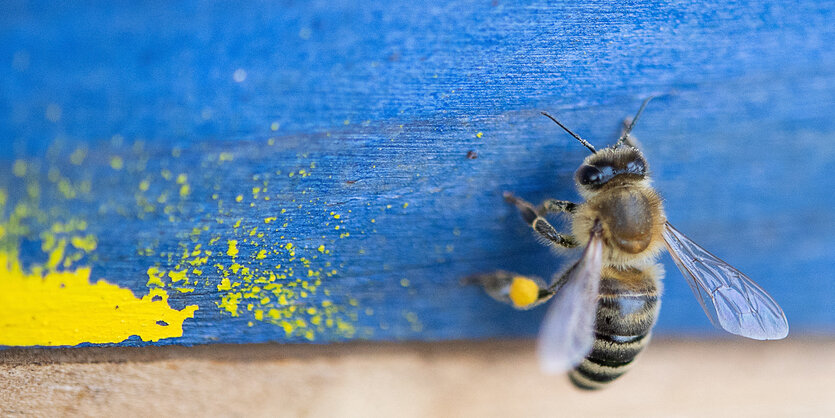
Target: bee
x,y
605,305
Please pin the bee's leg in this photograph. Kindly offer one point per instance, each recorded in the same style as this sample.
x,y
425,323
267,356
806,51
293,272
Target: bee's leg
x,y
556,206
521,292
539,224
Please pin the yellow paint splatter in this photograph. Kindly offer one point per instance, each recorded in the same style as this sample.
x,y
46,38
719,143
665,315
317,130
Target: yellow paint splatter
x,y
155,277
233,247
87,243
19,168
64,308
116,162
77,157
479,135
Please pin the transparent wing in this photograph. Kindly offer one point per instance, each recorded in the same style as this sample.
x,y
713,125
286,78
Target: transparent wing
x,y
730,299
567,334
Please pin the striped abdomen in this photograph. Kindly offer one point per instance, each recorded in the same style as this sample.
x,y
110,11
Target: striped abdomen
x,y
626,311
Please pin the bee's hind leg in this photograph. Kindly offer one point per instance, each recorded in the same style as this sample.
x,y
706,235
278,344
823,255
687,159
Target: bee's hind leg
x,y
521,292
534,218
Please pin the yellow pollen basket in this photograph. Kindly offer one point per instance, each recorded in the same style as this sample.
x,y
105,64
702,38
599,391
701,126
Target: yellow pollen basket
x,y
523,291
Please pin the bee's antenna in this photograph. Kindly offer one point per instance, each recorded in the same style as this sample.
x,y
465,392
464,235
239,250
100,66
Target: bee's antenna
x,y
577,137
635,119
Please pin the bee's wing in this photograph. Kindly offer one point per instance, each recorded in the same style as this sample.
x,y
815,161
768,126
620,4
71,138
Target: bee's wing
x,y
730,299
567,333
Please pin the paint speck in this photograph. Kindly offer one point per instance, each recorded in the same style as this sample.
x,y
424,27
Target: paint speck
x,y
77,157
479,135
261,255
225,156
274,126
472,155
19,168
233,248
144,185
117,163
404,282
239,198
321,249
405,205
53,112
239,75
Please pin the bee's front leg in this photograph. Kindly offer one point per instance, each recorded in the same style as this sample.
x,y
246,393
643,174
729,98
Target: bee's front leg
x,y
534,218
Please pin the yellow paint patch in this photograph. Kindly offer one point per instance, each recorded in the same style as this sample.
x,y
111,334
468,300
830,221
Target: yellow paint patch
x,y
19,168
64,308
117,163
523,291
233,248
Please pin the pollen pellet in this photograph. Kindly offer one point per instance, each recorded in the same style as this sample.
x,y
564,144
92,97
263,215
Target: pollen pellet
x,y
523,291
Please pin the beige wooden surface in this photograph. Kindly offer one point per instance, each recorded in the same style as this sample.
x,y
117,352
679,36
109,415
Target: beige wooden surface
x,y
484,379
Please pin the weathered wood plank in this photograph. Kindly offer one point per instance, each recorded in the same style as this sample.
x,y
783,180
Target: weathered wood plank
x,y
299,172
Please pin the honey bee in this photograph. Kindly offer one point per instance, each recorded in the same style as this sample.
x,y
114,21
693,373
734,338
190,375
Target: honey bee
x,y
605,304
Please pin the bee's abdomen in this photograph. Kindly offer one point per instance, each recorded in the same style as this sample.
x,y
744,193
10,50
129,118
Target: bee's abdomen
x,y
624,321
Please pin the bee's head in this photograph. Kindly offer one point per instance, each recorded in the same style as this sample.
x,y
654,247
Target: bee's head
x,y
618,164
621,164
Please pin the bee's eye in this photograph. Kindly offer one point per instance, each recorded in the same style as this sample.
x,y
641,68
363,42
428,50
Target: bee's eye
x,y
636,167
589,174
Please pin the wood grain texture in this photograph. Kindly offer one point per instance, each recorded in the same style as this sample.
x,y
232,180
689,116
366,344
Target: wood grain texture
x,y
463,379
362,117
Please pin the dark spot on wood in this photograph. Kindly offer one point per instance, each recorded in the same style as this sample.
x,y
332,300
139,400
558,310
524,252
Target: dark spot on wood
x,y
156,298
494,3
162,323
63,286
117,307
472,154
394,57
350,181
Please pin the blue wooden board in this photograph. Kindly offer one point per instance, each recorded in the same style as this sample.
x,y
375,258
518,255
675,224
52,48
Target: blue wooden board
x,y
171,131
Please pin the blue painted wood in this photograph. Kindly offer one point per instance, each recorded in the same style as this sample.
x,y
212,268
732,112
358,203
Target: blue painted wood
x,y
380,105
